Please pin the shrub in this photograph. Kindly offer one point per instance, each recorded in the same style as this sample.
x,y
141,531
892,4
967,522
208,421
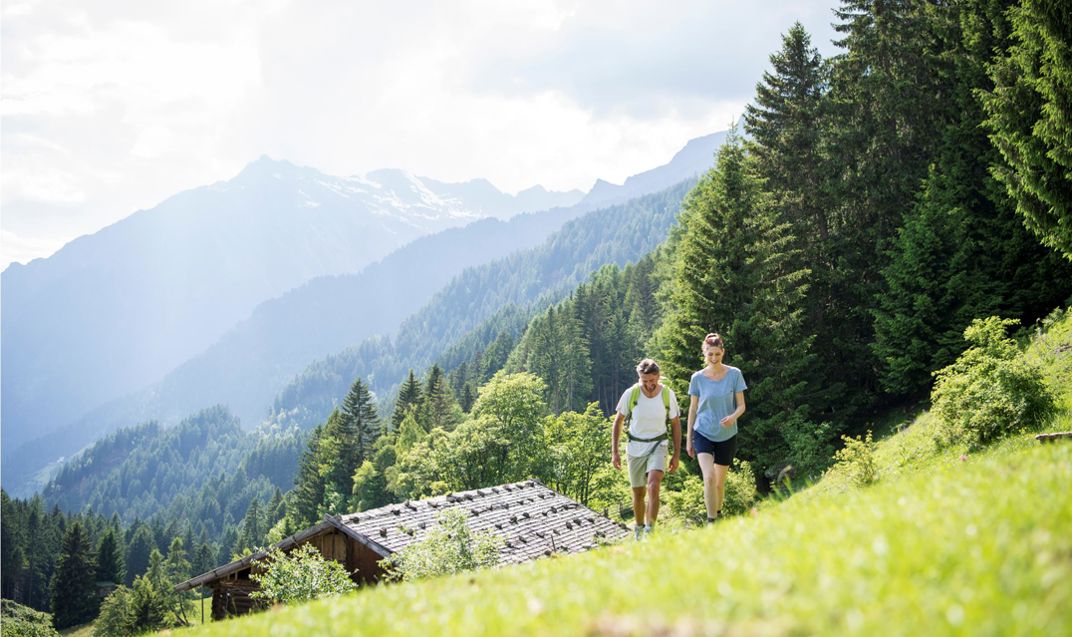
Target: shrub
x,y
810,447
299,576
685,502
450,547
990,391
116,617
22,621
856,460
740,492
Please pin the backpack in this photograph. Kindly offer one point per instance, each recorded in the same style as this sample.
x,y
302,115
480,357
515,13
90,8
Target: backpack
x,y
634,396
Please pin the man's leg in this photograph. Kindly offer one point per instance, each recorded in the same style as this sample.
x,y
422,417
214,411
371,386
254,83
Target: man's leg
x,y
655,478
638,505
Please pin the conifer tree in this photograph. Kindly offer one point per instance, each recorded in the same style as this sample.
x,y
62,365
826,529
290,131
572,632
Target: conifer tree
x,y
370,479
276,509
177,565
109,559
359,421
409,434
735,273
251,529
438,407
74,598
304,500
888,103
204,558
962,252
555,349
1030,118
785,125
467,397
138,551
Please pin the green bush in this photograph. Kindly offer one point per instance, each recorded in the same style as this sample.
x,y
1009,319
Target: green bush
x,y
17,620
740,492
116,617
685,500
299,576
990,391
856,460
810,447
450,547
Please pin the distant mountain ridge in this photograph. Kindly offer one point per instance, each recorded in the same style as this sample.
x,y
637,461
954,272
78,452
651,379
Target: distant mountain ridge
x,y
116,310
525,280
690,161
256,357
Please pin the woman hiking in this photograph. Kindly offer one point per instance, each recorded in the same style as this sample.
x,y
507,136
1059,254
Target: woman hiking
x,y
716,403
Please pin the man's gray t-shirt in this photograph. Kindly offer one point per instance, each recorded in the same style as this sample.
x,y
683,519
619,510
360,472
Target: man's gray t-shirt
x,y
717,399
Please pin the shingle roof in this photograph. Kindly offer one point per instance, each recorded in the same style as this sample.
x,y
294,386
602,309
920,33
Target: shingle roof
x,y
532,519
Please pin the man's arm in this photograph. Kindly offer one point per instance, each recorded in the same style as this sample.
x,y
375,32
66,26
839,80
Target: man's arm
x,y
675,428
615,437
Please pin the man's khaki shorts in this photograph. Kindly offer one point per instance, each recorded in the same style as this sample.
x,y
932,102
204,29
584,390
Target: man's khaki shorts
x,y
641,465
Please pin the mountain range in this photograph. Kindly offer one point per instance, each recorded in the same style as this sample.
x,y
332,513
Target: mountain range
x,y
114,311
223,293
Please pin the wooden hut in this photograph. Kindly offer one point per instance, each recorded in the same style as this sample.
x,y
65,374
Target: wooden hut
x,y
533,520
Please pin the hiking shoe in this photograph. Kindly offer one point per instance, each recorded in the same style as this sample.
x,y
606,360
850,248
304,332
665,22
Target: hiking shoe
x,y
638,533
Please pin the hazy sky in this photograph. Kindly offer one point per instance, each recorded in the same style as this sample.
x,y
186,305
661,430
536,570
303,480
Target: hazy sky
x,y
109,106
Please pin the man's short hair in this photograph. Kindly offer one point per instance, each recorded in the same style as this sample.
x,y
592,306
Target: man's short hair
x,y
647,366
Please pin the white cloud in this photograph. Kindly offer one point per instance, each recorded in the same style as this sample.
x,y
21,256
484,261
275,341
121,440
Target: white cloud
x,y
116,104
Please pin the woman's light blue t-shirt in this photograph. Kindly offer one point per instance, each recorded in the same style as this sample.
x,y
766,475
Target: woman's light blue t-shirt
x,y
718,399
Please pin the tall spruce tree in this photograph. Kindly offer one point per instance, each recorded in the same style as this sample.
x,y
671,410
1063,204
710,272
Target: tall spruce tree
x,y
962,253
1030,118
409,397
204,558
138,551
251,530
555,349
74,595
734,272
785,125
438,407
109,559
303,502
348,440
888,104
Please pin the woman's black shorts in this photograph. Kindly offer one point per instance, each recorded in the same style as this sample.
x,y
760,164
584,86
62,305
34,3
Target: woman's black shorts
x,y
723,452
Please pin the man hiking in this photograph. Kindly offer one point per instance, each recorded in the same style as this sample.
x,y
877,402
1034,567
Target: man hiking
x,y
648,405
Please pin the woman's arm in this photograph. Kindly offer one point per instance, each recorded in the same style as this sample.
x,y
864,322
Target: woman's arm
x,y
732,418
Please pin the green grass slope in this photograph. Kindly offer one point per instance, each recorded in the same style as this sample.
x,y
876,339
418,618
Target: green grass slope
x,y
944,543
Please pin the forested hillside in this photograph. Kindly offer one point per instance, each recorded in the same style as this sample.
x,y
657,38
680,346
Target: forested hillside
x,y
536,277
206,469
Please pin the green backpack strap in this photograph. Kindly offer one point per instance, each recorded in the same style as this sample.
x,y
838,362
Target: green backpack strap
x,y
633,398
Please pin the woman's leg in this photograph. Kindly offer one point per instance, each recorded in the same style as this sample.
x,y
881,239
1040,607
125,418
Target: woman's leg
x,y
710,492
720,486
